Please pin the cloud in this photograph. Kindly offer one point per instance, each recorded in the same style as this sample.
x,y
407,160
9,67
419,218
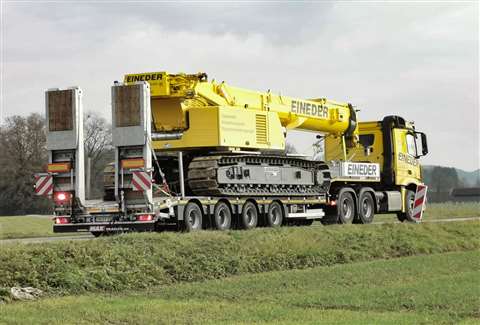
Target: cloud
x,y
415,60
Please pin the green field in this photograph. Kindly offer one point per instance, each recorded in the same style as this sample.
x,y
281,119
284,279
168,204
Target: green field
x,y
372,274
433,289
41,226
436,211
26,227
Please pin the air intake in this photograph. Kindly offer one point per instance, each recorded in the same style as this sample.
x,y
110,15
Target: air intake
x,y
261,129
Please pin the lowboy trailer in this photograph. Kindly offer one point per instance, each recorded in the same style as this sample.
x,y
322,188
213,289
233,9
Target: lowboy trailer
x,y
193,154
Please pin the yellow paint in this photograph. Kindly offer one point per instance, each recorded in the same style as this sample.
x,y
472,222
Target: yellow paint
x,y
211,114
407,169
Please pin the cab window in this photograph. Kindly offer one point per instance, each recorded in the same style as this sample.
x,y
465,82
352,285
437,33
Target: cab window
x,y
366,140
411,147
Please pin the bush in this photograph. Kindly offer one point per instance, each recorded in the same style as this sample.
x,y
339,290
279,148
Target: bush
x,y
134,261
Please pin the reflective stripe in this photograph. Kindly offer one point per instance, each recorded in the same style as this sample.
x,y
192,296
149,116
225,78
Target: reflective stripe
x,y
141,181
44,185
419,201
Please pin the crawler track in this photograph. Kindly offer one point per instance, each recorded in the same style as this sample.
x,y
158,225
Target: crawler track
x,y
257,175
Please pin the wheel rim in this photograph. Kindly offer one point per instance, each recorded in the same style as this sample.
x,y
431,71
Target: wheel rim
x,y
193,217
249,215
222,216
366,208
346,209
411,202
275,215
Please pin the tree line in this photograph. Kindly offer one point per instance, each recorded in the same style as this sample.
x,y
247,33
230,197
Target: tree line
x,y
23,153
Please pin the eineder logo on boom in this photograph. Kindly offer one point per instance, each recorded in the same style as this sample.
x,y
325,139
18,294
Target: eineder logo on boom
x,y
310,109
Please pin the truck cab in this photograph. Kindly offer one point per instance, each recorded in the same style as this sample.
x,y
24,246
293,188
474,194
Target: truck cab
x,y
396,147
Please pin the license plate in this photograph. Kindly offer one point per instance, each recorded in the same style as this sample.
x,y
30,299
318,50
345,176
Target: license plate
x,y
97,228
103,219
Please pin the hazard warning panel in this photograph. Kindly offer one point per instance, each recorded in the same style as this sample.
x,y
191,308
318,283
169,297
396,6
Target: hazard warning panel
x,y
141,181
419,203
43,184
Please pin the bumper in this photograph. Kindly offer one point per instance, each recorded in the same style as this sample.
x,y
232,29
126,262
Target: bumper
x,y
105,226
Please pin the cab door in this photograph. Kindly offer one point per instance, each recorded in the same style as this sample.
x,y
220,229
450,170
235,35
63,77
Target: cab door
x,y
407,167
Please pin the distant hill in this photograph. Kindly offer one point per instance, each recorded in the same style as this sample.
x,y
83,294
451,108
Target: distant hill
x,y
468,179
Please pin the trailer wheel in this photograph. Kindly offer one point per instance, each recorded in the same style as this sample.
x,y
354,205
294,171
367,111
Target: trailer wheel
x,y
408,214
366,210
96,233
222,216
249,216
346,208
275,215
192,217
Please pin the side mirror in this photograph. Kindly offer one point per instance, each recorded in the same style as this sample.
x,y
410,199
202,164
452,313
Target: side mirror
x,y
424,144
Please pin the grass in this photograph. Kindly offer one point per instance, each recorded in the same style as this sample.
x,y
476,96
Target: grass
x,y
27,226
134,261
42,226
434,289
437,211
452,210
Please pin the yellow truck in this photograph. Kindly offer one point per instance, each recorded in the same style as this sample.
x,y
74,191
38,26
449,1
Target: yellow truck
x,y
194,153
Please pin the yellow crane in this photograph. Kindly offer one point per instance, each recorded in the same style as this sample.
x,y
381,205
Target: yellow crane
x,y
215,155
190,112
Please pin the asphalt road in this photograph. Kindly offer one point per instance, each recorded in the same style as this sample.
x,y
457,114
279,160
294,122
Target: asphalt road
x,y
89,236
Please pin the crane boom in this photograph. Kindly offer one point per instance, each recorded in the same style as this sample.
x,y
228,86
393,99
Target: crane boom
x,y
173,96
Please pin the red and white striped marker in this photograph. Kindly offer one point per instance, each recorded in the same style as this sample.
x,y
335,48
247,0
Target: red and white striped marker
x,y
43,184
141,181
419,203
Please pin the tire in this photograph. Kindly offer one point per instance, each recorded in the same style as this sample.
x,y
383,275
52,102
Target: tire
x,y
222,216
249,216
96,233
346,208
366,208
192,217
274,215
408,214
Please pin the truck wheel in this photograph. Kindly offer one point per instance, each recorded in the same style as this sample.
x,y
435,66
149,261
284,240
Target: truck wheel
x,y
222,216
249,216
408,214
366,210
192,217
345,208
275,215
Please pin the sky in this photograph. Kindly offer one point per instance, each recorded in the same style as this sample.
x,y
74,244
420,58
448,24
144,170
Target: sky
x,y
419,60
